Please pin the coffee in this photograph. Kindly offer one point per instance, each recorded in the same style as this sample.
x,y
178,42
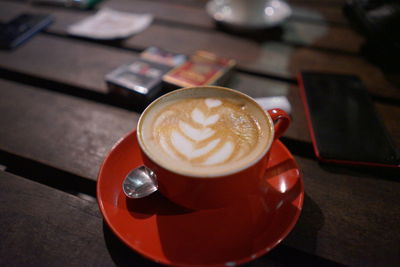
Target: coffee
x,y
206,135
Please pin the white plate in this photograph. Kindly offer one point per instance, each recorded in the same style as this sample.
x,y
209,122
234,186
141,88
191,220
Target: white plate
x,y
249,13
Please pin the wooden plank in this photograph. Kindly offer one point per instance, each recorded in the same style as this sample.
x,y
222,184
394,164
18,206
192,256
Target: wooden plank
x,y
331,3
185,12
322,2
310,11
318,14
334,4
339,208
299,33
64,132
37,219
83,132
79,64
42,226
364,226
45,54
303,11
319,35
269,57
350,215
41,58
316,11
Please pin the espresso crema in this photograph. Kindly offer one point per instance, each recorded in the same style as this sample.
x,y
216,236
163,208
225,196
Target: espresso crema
x,y
203,135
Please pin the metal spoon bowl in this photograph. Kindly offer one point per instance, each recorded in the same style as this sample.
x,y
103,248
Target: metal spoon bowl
x,y
140,182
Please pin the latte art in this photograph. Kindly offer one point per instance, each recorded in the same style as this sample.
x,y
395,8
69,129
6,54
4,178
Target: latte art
x,y
205,131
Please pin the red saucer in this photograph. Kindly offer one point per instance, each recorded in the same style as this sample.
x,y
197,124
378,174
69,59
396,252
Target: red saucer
x,y
169,234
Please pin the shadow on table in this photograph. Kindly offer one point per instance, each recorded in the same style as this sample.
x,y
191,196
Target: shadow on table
x,y
121,254
223,237
304,235
305,232
287,256
259,35
264,220
362,172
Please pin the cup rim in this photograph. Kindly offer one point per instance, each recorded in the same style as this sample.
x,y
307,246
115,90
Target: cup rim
x,y
192,175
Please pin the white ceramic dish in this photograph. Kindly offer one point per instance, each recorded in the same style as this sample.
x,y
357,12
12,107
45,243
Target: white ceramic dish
x,y
256,14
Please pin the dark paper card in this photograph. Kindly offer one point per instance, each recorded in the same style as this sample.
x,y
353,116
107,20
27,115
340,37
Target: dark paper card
x,y
141,78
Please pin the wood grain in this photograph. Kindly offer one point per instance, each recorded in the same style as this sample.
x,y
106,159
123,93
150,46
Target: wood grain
x,y
338,209
312,11
338,199
267,57
42,226
67,61
299,32
305,11
36,219
41,58
62,60
325,7
320,35
270,58
81,132
350,215
64,132
330,3
46,227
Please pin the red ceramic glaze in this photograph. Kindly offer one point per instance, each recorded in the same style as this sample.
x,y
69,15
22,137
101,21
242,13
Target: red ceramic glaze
x,y
233,187
167,233
281,120
208,193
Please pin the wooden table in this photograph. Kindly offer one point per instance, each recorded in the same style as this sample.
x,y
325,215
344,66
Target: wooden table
x,y
58,123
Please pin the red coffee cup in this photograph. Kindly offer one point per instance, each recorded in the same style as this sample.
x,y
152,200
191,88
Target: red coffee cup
x,y
209,187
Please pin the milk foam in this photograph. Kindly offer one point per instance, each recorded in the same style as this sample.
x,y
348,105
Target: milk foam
x,y
212,102
205,131
198,116
194,133
221,155
187,148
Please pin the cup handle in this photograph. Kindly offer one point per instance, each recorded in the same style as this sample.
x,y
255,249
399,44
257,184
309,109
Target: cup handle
x,y
281,121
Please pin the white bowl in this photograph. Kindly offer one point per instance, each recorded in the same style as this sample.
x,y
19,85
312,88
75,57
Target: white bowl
x,y
249,13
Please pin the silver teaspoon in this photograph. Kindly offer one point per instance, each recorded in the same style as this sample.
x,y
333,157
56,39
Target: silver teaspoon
x,y
140,182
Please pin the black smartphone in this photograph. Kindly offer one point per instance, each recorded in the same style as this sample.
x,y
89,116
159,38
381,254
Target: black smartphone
x,y
21,28
343,123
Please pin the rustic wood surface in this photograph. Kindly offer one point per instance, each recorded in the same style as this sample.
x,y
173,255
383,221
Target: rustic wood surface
x,y
65,132
80,150
349,215
38,219
59,122
288,58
